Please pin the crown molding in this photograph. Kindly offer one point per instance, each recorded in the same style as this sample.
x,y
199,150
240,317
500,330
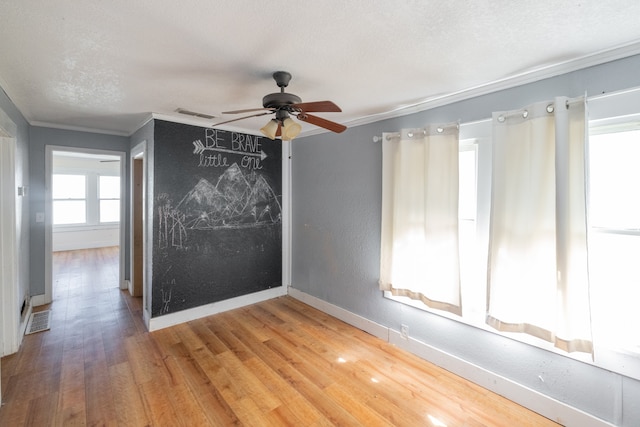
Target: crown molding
x,y
531,76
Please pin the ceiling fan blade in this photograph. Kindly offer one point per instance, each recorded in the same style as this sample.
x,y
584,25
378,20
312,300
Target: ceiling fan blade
x,y
323,123
248,110
242,118
318,107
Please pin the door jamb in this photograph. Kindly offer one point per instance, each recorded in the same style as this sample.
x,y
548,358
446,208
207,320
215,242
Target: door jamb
x,y
141,151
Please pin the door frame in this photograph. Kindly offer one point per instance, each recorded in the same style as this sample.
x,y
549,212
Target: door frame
x,y
48,237
9,318
140,151
10,337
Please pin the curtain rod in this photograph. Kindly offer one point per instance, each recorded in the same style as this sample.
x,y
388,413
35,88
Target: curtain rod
x,y
596,97
378,138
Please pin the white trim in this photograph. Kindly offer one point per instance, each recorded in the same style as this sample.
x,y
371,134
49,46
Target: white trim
x,y
82,228
140,150
72,241
529,398
612,104
183,316
26,317
199,122
123,218
146,317
7,127
9,317
286,213
371,327
38,300
78,128
532,76
39,123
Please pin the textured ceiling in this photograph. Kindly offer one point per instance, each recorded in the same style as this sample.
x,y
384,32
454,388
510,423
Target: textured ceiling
x,y
106,65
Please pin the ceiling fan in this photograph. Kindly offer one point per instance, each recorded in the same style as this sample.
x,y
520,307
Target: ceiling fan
x,y
285,105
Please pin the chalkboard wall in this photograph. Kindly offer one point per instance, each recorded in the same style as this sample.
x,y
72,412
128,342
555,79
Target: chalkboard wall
x,y
217,226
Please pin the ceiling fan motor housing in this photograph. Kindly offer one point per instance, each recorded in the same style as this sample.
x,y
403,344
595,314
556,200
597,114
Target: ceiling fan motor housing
x,y
280,99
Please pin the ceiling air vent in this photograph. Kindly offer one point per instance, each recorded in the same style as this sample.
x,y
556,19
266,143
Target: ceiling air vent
x,y
194,114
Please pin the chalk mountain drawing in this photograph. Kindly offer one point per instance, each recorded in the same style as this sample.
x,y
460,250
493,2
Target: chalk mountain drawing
x,y
235,201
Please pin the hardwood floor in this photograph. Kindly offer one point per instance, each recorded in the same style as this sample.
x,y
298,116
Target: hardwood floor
x,y
276,363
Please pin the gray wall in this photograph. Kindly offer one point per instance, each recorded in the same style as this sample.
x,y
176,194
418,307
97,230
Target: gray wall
x,y
145,133
40,137
22,180
336,180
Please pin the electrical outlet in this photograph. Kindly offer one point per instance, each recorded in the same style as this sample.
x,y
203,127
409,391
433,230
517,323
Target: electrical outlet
x,y
404,331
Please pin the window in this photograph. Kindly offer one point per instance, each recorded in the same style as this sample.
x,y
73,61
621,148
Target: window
x,y
69,199
613,231
109,194
614,237
472,291
85,199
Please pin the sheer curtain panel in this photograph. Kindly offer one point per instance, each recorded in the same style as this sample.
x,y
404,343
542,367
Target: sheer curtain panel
x,y
419,242
537,276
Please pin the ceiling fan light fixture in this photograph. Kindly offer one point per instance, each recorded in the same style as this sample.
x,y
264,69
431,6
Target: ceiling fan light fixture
x,y
269,130
290,129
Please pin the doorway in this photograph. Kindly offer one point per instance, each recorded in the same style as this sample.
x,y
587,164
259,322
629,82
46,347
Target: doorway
x,y
85,205
137,239
138,234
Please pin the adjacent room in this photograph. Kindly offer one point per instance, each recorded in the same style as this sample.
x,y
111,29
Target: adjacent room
x,y
343,213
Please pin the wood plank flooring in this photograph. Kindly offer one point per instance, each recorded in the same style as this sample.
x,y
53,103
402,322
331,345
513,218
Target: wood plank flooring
x,y
276,363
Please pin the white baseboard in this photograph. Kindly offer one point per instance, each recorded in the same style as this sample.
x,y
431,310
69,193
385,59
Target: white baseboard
x,y
24,321
38,300
529,398
172,319
373,328
83,244
146,317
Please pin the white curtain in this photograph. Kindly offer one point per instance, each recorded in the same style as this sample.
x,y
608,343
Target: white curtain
x,y
419,244
538,277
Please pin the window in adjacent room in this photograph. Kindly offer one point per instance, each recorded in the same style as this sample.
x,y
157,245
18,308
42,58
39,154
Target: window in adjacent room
x,y
109,194
69,199
85,191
